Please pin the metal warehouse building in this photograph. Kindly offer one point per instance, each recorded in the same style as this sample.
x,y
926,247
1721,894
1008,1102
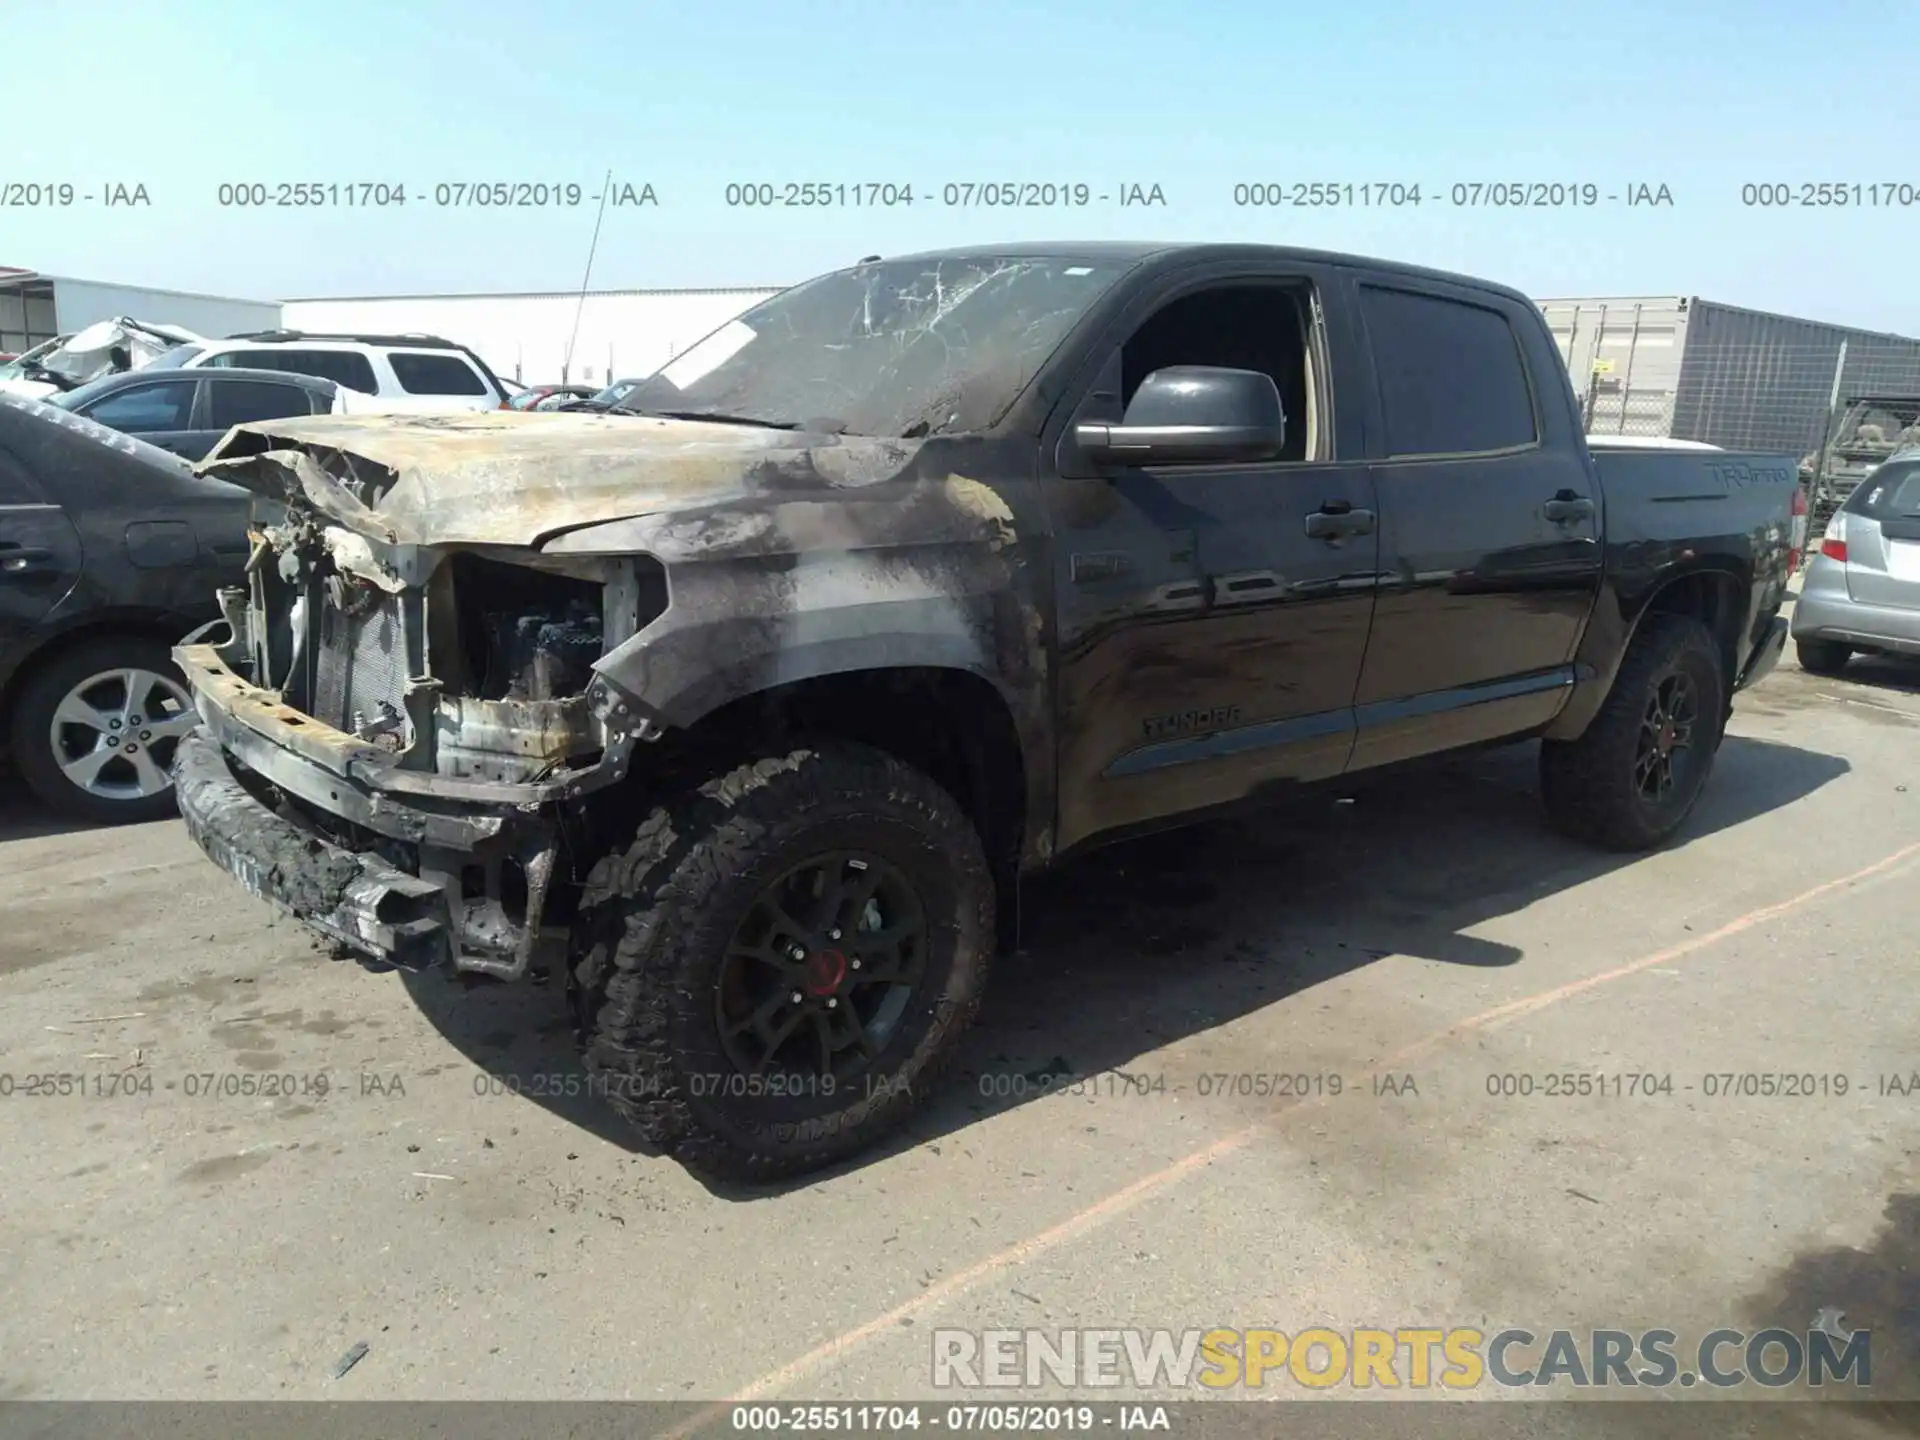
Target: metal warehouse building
x,y
34,308
1694,369
526,337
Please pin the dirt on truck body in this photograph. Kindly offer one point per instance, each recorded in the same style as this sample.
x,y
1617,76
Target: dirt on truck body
x,y
595,582
746,704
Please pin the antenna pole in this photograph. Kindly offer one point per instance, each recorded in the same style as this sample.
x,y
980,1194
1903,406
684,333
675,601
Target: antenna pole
x,y
566,365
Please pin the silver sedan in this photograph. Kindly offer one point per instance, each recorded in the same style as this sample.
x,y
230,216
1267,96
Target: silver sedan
x,y
1861,594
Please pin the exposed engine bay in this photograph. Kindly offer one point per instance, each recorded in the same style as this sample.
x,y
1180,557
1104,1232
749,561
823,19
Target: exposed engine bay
x,y
468,667
371,693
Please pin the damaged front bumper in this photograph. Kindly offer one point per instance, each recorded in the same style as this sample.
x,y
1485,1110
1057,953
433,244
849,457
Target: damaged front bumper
x,y
357,900
411,868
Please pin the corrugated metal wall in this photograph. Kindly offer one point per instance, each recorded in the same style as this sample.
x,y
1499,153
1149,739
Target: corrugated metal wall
x,y
1624,357
525,337
1697,370
26,316
79,303
1764,382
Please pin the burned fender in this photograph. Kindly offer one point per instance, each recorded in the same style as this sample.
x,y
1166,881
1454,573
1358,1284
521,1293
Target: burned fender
x,y
766,595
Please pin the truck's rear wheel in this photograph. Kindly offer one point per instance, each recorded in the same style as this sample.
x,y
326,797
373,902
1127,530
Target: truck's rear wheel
x,y
774,972
1635,775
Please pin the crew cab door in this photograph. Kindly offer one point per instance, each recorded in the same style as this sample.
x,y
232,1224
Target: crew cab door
x,y
1490,520
1212,617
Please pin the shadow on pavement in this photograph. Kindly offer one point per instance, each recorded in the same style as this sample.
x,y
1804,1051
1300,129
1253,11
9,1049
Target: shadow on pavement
x,y
1884,672
1131,948
23,817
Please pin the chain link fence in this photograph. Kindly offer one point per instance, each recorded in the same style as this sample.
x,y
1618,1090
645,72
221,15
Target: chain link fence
x,y
1839,409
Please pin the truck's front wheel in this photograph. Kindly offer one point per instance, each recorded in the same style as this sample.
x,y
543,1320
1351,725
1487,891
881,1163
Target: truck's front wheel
x,y
774,972
1635,775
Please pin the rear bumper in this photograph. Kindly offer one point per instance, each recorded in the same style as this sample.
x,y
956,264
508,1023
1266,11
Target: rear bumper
x,y
1764,656
1821,615
354,898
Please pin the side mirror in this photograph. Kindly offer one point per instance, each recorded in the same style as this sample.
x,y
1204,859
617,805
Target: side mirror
x,y
1192,415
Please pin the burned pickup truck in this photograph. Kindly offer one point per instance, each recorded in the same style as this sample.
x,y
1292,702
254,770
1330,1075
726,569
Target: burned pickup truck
x,y
745,706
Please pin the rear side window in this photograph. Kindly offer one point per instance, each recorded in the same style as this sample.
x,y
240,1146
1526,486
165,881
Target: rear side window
x,y
1450,375
343,367
441,374
1891,493
240,402
146,408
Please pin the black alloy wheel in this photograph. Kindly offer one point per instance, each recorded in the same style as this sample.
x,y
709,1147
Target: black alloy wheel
x,y
1632,777
822,968
1666,737
777,968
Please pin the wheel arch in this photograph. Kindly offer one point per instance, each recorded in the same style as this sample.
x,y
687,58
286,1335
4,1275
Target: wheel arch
x,y
951,722
1713,591
56,639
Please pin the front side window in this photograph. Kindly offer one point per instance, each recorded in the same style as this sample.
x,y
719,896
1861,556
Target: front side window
x,y
1450,375
1235,327
145,409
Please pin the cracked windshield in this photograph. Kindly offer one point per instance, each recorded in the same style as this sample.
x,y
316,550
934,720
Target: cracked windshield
x,y
900,348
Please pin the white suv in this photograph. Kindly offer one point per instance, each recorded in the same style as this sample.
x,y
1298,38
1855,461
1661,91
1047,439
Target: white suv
x,y
420,373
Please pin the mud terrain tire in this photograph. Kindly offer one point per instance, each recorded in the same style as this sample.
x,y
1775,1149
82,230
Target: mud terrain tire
x,y
1592,785
660,929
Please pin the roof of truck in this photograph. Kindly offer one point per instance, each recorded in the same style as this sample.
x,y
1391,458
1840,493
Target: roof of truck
x,y
1136,252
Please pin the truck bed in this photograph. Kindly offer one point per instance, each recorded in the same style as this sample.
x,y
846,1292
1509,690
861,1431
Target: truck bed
x,y
1727,501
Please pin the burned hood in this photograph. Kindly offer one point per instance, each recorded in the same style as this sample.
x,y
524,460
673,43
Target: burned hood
x,y
503,477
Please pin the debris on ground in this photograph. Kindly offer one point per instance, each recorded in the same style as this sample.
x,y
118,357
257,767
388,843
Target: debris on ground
x,y
352,1358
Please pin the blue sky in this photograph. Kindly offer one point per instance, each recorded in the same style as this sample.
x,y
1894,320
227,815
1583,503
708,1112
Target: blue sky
x,y
1194,97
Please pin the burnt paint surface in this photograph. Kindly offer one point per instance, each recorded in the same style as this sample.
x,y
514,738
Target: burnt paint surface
x,y
509,477
128,532
1467,615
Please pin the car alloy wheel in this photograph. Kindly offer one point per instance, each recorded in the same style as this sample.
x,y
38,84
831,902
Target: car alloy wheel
x,y
113,735
1666,737
821,968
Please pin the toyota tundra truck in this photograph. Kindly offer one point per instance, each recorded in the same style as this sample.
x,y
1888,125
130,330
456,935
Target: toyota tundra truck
x,y
746,705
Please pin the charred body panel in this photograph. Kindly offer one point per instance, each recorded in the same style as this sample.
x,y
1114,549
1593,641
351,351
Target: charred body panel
x,y
452,699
